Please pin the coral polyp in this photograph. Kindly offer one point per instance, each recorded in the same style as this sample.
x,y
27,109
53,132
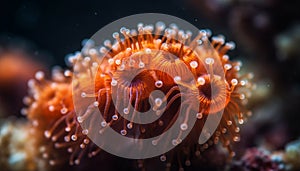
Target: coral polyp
x,y
51,112
192,73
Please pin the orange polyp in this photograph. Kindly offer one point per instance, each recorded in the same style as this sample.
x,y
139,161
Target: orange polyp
x,y
216,103
54,121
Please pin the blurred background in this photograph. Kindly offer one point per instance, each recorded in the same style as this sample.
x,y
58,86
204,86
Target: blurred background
x,y
36,35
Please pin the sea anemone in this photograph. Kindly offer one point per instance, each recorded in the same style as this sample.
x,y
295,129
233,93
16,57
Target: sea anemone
x,y
194,75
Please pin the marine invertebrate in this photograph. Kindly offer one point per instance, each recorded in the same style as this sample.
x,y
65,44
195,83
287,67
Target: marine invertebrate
x,y
120,78
292,154
51,113
18,150
259,159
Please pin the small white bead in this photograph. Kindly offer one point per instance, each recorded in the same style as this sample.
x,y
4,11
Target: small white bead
x,y
237,67
80,119
129,125
141,65
158,84
110,61
148,51
74,137
183,126
242,96
201,80
177,79
115,117
118,61
24,111
194,64
103,124
123,132
158,102
47,134
85,132
229,123
114,82
63,110
126,110
199,115
83,94
67,129
225,57
96,103
209,61
154,142
227,66
67,139
234,82
39,75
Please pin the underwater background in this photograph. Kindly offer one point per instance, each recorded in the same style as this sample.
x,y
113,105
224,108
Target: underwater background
x,y
36,35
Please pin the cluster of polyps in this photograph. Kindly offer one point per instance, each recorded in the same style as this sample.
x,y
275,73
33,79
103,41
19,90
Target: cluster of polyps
x,y
54,122
124,73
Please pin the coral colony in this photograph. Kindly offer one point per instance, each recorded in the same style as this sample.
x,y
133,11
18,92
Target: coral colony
x,y
50,102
